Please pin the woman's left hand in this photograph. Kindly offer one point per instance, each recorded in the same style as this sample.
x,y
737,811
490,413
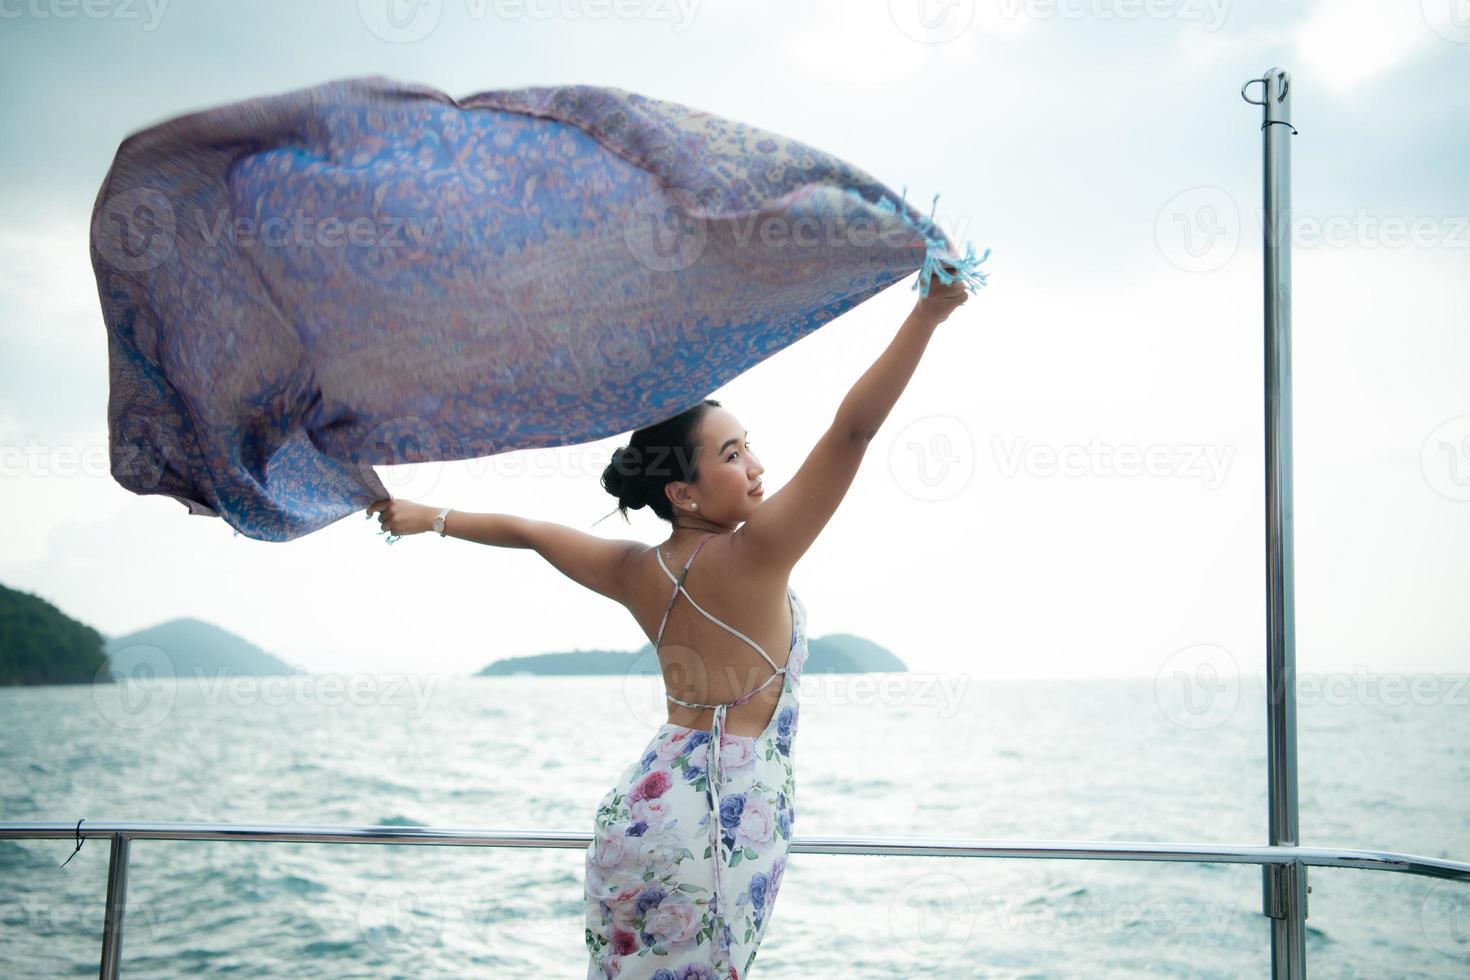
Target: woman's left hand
x,y
402,517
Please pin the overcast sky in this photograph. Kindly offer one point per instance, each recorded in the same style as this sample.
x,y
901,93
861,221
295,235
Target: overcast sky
x,y
1100,148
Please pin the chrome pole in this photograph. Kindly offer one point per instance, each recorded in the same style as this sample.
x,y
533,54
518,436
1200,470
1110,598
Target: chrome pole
x,y
1284,886
117,901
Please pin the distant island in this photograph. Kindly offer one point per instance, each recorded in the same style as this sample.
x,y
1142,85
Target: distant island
x,y
835,653
40,644
193,648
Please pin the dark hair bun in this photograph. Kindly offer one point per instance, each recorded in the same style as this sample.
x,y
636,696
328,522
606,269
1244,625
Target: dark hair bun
x,y
622,477
656,456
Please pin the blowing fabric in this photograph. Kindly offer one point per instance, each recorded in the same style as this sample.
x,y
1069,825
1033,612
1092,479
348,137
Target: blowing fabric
x,y
300,286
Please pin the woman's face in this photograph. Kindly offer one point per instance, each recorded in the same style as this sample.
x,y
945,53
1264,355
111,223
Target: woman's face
x,y
728,470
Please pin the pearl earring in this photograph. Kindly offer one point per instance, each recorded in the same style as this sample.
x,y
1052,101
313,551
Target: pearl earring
x,y
694,507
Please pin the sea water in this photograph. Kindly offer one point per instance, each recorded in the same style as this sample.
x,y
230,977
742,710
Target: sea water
x,y
911,755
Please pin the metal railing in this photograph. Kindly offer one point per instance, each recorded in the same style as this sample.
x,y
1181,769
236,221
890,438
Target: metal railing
x,y
1270,858
1283,862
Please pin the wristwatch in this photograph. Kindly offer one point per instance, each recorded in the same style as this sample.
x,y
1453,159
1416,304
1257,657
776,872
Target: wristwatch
x,y
439,521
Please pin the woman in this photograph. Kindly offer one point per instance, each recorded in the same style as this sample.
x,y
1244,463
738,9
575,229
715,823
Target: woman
x,y
690,844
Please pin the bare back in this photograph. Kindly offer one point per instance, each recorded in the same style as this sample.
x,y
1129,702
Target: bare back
x,y
700,660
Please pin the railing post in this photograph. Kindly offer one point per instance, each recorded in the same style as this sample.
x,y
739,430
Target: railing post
x,y
117,901
1285,886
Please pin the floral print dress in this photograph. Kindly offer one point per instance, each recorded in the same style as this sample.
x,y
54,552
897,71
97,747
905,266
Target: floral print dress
x,y
689,846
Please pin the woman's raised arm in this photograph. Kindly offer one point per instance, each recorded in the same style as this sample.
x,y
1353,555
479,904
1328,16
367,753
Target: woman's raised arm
x,y
785,526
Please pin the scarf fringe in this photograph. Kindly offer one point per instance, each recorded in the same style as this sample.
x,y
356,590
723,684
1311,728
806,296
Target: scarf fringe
x,y
937,254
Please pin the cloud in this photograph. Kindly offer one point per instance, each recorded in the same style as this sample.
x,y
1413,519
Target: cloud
x,y
47,287
856,49
1345,44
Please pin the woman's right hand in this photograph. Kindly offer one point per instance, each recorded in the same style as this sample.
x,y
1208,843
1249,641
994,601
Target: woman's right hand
x,y
943,299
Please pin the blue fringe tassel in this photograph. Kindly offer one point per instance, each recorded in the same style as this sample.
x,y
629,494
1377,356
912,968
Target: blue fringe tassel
x,y
936,256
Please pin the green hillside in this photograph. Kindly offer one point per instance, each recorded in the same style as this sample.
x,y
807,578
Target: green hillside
x,y
40,644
